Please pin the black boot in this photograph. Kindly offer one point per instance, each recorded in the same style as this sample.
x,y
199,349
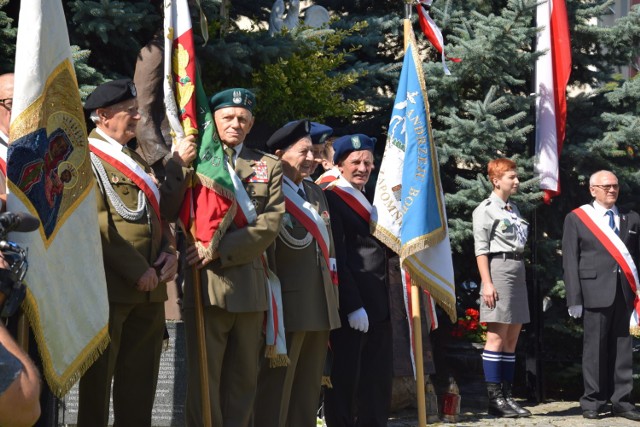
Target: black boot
x,y
508,396
498,406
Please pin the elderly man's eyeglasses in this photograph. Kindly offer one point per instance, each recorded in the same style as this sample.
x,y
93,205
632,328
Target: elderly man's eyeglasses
x,y
607,187
7,103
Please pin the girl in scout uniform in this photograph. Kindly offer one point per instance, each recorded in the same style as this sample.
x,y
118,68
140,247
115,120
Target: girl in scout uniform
x,y
500,235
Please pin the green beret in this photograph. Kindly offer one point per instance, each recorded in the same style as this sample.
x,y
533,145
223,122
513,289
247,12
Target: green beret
x,y
288,135
237,97
110,93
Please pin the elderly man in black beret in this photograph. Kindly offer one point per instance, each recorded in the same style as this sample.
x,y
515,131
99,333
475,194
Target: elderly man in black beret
x,y
234,277
305,265
362,369
138,259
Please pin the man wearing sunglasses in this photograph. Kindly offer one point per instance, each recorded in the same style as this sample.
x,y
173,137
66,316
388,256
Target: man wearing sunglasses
x,y
600,249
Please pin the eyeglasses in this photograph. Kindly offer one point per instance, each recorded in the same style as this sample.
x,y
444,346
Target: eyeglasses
x,y
7,103
607,187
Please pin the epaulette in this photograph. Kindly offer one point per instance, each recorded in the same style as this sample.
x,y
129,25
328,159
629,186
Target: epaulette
x,y
264,153
488,203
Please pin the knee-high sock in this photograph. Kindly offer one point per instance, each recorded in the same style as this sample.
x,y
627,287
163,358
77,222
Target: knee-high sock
x,y
491,362
508,366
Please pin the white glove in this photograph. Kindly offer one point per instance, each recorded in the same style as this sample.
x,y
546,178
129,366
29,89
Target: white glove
x,y
359,320
575,311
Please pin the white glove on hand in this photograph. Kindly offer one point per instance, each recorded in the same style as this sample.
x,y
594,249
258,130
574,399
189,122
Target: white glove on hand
x,y
359,320
575,311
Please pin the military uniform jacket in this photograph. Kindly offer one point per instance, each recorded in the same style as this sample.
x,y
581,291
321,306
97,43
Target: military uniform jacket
x,y
236,281
362,263
309,298
590,272
129,248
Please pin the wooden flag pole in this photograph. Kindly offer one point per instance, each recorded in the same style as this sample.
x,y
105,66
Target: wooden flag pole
x,y
415,289
202,348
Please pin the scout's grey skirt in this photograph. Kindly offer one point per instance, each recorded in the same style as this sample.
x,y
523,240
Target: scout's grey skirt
x,y
509,280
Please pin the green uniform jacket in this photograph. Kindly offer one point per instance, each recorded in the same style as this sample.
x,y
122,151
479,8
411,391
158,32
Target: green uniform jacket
x,y
309,298
236,281
129,248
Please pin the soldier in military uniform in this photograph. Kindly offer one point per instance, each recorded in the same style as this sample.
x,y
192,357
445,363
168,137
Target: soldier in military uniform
x,y
138,260
233,277
305,265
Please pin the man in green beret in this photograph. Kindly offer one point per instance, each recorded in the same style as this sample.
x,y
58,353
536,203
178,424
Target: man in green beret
x,y
233,278
138,259
305,265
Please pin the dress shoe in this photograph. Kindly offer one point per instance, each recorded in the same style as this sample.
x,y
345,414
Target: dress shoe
x,y
632,415
591,415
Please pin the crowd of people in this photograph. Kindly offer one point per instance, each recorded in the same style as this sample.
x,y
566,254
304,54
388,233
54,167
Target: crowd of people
x,y
313,237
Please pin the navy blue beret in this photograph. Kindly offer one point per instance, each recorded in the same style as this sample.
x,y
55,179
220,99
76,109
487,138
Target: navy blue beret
x,y
348,143
319,133
288,135
110,93
236,97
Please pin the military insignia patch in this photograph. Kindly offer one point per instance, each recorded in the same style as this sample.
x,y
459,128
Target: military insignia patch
x,y
237,97
260,172
355,141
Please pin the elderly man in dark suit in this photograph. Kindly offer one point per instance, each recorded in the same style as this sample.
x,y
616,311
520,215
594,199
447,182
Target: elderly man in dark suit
x,y
234,278
362,348
600,249
138,259
305,265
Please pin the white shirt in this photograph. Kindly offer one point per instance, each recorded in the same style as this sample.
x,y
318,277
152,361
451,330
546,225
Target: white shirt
x,y
110,140
293,185
601,213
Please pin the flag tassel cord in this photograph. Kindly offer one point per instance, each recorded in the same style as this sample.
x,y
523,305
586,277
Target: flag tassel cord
x,y
415,290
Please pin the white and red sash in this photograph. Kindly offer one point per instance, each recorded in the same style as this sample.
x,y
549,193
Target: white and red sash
x,y
329,176
352,197
613,244
129,167
313,223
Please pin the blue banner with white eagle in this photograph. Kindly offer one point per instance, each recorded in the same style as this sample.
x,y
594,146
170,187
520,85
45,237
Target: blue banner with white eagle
x,y
49,176
409,211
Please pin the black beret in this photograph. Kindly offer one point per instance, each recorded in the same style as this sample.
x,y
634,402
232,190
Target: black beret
x,y
348,143
288,135
110,93
237,97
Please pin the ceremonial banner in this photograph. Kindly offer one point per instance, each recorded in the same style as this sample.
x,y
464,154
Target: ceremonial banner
x,y
49,175
552,75
408,208
210,202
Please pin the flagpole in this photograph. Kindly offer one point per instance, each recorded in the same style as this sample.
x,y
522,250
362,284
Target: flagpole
x,y
202,348
415,289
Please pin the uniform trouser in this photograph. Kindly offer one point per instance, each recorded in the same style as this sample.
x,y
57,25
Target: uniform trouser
x,y
233,343
361,375
132,360
288,396
607,356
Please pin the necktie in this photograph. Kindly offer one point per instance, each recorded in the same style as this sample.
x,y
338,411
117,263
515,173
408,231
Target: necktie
x,y
301,194
612,221
230,156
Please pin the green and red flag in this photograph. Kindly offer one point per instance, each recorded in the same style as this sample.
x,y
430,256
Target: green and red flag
x,y
210,201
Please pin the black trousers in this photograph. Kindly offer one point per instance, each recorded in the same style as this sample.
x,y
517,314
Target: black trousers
x,y
361,376
607,356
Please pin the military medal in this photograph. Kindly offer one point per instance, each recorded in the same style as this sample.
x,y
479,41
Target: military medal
x,y
260,172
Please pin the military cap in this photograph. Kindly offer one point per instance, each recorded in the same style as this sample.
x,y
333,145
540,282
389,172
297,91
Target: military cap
x,y
110,93
319,133
288,135
237,97
348,143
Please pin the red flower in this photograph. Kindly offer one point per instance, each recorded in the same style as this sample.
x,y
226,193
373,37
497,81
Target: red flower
x,y
473,313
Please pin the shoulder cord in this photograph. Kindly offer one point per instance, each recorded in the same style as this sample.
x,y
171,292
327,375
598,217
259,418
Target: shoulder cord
x,y
116,202
291,241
